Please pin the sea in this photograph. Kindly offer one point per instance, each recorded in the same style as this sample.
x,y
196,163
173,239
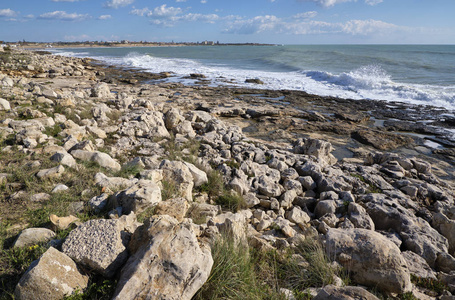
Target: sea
x,y
418,74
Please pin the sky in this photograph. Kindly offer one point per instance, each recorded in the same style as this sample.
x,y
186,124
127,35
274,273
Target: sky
x,y
231,21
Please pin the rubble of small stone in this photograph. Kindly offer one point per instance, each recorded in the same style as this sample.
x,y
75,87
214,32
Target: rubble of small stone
x,y
385,217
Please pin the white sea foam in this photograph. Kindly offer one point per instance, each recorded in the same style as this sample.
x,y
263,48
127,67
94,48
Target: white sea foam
x,y
367,82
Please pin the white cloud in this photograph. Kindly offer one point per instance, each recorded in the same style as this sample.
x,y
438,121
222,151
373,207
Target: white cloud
x,y
330,3
210,18
254,25
163,11
306,15
366,27
140,12
63,16
117,3
373,2
6,12
302,26
29,16
169,16
180,0
203,1
104,17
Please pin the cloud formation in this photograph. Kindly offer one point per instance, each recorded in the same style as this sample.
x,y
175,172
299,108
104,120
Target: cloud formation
x,y
7,12
329,3
298,25
63,16
117,3
169,16
104,17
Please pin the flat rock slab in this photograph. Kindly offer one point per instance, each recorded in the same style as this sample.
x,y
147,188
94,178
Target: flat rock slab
x,y
97,244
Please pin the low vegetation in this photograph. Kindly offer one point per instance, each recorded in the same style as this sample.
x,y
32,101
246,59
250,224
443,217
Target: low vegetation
x,y
241,272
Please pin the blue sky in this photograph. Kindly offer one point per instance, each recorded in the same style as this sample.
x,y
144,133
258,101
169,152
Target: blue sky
x,y
262,21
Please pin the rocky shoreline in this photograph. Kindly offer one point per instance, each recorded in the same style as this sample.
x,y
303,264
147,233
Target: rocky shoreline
x,y
109,172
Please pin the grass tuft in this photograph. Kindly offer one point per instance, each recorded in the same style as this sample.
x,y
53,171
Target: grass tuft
x,y
233,274
231,201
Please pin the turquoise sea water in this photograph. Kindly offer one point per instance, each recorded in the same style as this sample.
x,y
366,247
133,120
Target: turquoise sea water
x,y
421,74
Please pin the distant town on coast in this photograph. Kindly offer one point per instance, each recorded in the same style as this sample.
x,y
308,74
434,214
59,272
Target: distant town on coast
x,y
123,43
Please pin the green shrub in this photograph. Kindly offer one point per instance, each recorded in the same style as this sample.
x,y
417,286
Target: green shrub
x,y
233,275
99,288
215,185
169,190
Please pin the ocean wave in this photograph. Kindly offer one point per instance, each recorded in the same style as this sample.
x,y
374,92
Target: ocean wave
x,y
367,82
68,53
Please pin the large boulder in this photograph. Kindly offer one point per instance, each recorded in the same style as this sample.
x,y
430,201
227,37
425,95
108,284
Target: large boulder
x,y
167,262
417,234
99,245
371,257
140,196
53,276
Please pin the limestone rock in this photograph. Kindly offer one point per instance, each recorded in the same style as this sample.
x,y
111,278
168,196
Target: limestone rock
x,y
98,203
51,173
199,176
331,292
371,257
417,265
4,104
65,159
62,222
178,173
32,236
416,233
359,217
318,148
97,244
167,262
101,158
176,208
101,90
140,196
298,216
53,276
59,188
447,228
113,182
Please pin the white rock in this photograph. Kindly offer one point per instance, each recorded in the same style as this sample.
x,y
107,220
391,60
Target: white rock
x,y
4,104
101,158
167,262
53,276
